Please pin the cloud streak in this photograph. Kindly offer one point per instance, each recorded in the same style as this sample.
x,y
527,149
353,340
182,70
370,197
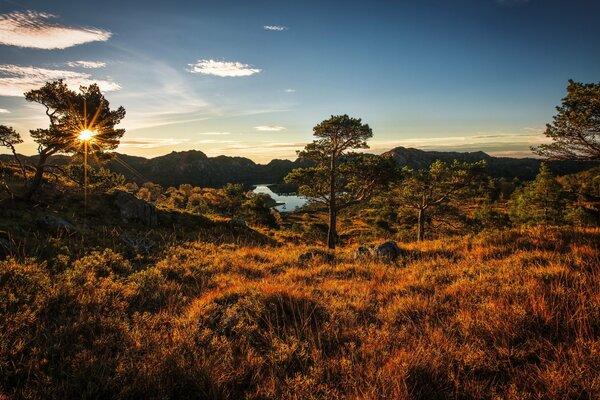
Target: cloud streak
x,y
4,111
86,64
35,30
269,128
223,68
276,28
16,79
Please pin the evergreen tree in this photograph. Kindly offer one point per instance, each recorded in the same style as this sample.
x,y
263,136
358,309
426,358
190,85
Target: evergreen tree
x,y
540,202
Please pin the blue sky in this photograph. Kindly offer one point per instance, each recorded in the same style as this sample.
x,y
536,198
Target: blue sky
x,y
251,78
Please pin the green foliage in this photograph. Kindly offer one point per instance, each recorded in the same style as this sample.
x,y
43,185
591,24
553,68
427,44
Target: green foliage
x,y
337,180
581,216
99,179
430,193
488,217
257,210
541,201
575,128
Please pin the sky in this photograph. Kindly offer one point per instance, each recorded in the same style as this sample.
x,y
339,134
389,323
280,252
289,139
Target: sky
x,y
252,78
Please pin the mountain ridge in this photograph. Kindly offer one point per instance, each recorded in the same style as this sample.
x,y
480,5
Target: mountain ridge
x,y
198,169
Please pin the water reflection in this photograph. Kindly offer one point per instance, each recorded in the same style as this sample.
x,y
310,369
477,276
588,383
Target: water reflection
x,y
289,202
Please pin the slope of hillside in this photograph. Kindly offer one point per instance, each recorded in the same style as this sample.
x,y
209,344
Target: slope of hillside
x,y
512,315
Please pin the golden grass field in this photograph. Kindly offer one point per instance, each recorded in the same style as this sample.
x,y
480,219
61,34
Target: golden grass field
x,y
499,315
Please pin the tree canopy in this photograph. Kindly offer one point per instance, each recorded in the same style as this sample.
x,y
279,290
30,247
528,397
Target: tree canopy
x,y
428,192
575,130
339,179
70,113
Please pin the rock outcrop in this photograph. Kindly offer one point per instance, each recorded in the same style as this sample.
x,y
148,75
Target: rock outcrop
x,y
133,209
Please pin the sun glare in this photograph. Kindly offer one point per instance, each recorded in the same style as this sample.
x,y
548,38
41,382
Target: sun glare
x,y
86,135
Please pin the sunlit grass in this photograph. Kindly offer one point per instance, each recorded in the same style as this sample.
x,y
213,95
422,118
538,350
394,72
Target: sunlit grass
x,y
513,314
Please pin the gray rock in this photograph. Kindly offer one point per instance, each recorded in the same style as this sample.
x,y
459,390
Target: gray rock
x,y
135,210
388,251
53,223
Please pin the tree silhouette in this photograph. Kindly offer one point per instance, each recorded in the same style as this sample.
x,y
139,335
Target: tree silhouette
x,y
70,113
575,130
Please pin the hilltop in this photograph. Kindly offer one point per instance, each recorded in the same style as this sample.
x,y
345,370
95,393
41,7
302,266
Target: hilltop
x,y
196,168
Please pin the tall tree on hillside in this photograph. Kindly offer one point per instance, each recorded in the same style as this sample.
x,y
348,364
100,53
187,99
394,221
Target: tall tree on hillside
x,y
70,113
427,190
575,130
541,201
339,180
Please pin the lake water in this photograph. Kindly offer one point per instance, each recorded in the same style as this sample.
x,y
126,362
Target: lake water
x,y
290,202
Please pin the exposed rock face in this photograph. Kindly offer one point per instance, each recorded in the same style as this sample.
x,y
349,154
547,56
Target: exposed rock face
x,y
53,223
135,210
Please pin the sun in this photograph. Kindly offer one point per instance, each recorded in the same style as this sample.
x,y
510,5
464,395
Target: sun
x,y
85,135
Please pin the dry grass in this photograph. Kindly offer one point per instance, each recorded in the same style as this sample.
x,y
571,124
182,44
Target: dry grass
x,y
506,315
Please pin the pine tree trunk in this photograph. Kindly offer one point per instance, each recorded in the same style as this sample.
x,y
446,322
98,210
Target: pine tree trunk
x,y
331,234
421,225
37,178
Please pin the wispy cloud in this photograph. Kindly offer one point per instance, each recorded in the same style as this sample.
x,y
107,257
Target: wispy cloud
x,y
34,29
86,64
223,68
150,143
277,28
269,128
214,133
4,111
290,90
16,79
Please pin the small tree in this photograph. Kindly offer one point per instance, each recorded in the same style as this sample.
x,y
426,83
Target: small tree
x,y
339,180
70,113
429,192
540,201
9,138
575,130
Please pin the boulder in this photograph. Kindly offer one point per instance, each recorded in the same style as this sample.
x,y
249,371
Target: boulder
x,y
388,251
54,223
135,210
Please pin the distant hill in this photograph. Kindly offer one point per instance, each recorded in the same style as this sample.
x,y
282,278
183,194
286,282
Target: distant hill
x,y
196,168
498,167
193,167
